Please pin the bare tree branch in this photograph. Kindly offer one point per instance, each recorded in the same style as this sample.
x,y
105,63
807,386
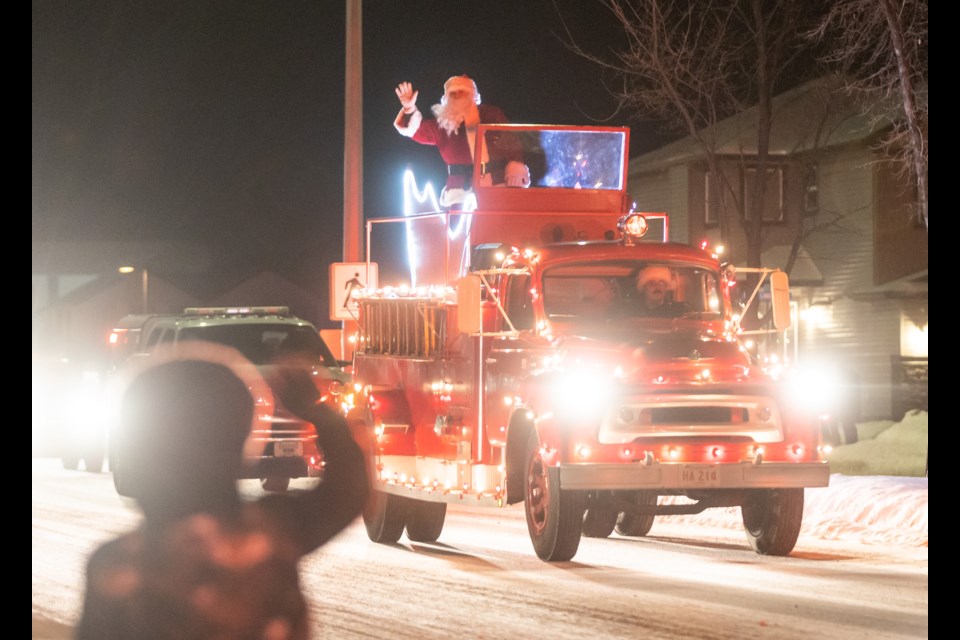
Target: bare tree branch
x,y
690,64
882,46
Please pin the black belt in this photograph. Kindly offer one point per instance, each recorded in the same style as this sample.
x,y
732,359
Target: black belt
x,y
467,169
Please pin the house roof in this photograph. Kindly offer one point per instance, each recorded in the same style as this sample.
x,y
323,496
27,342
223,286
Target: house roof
x,y
820,105
913,286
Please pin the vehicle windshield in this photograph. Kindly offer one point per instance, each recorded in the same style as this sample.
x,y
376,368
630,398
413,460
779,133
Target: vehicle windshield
x,y
608,291
265,343
563,158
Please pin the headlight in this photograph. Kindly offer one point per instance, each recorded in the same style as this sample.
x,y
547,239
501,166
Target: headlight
x,y
84,412
579,395
817,386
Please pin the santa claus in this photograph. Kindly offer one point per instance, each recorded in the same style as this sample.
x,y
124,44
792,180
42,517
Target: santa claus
x,y
453,131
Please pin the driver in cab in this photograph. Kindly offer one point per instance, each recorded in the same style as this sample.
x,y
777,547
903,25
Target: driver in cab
x,y
655,286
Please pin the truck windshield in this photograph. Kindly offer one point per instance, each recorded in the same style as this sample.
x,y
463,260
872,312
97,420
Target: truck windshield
x,y
264,343
594,292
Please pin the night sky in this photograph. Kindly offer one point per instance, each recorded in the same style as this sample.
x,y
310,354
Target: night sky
x,y
222,122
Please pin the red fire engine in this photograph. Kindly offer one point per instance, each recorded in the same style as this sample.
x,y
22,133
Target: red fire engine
x,y
520,365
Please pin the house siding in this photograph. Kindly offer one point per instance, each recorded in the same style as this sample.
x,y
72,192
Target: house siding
x,y
843,250
665,192
859,336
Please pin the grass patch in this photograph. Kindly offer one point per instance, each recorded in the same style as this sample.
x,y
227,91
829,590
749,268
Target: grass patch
x,y
885,448
870,430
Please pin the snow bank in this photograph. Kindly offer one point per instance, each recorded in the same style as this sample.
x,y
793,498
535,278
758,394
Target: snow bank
x,y
869,509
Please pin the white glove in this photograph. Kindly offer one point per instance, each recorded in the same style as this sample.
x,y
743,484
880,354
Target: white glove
x,y
407,96
516,174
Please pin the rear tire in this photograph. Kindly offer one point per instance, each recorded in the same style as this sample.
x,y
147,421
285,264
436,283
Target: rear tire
x,y
554,517
384,516
598,523
637,525
425,520
772,519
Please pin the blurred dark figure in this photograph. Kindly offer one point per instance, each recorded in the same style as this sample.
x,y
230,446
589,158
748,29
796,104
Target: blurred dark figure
x,y
842,426
206,563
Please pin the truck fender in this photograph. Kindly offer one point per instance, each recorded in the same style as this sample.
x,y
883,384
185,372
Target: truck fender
x,y
518,432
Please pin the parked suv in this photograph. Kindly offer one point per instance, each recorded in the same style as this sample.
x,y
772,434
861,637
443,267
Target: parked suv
x,y
284,445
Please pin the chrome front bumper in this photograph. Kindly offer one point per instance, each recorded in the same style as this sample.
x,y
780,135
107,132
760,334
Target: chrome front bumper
x,y
742,475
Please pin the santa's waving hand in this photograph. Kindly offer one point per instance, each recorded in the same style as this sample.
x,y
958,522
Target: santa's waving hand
x,y
407,96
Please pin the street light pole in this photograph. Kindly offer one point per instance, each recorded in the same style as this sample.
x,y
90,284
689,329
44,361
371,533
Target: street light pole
x,y
144,285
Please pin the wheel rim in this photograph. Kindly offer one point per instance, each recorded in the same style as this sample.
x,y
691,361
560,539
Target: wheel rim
x,y
538,500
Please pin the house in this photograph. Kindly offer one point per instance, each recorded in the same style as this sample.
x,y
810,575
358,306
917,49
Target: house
x,y
79,294
859,283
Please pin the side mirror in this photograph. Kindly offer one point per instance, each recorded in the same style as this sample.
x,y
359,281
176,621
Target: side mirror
x,y
468,305
780,297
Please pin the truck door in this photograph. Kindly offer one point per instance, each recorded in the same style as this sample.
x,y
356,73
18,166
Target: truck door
x,y
510,354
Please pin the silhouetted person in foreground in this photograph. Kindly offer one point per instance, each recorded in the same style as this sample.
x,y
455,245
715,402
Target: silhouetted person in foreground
x,y
206,563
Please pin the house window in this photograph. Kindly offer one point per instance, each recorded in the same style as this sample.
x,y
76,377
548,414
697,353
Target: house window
x,y
773,196
811,191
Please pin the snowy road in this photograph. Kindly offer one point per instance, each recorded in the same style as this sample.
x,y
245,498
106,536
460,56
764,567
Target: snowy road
x,y
692,577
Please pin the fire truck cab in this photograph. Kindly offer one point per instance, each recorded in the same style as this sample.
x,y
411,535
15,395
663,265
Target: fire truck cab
x,y
520,366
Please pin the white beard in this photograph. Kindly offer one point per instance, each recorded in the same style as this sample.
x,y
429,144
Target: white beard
x,y
451,115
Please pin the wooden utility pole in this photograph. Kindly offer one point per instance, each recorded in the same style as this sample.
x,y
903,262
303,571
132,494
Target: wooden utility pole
x,y
353,147
353,137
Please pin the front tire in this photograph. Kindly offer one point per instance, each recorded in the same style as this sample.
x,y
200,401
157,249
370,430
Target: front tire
x,y
425,520
772,519
554,517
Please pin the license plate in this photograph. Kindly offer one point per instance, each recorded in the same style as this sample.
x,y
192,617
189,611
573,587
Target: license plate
x,y
699,476
284,449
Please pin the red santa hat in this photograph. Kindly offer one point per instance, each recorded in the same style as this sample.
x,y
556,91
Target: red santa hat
x,y
461,83
656,272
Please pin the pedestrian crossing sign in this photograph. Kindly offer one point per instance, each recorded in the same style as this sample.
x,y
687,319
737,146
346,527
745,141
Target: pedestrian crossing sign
x,y
346,278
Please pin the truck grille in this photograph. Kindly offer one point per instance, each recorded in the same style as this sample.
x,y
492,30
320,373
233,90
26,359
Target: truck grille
x,y
686,415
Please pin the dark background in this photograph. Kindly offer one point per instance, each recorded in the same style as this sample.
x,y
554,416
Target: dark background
x,y
222,122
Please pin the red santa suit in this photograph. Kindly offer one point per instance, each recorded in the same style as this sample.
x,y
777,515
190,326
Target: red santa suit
x,y
457,148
